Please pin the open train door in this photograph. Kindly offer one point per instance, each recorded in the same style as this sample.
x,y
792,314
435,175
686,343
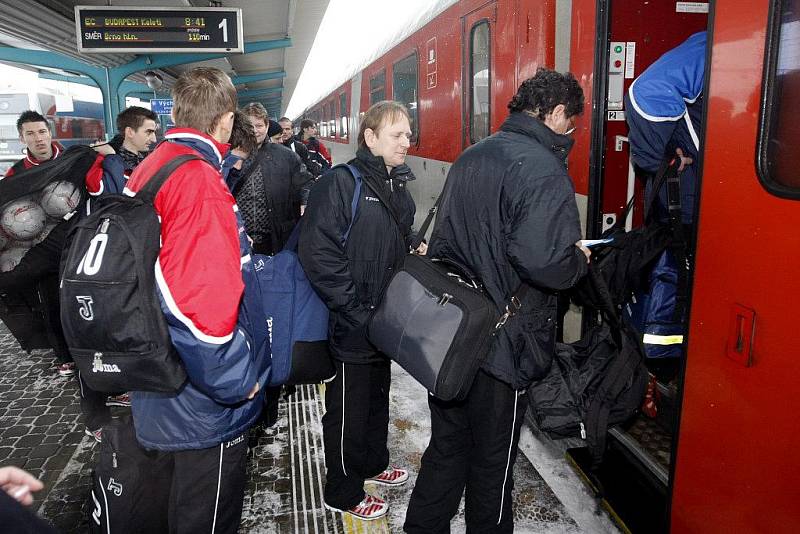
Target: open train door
x,y
612,43
721,460
736,465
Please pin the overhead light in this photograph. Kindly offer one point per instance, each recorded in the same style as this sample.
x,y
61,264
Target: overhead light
x,y
154,80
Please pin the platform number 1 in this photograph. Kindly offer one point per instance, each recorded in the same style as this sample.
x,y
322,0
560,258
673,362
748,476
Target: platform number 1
x,y
224,27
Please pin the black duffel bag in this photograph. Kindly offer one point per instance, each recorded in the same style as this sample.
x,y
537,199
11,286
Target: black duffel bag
x,y
596,382
438,324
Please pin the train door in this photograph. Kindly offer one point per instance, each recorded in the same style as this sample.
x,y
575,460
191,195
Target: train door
x,y
736,469
479,54
628,36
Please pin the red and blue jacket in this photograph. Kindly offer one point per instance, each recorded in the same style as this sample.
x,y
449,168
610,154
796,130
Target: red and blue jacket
x,y
206,284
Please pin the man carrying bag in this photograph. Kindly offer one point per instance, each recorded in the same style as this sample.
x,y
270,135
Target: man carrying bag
x,y
507,216
350,245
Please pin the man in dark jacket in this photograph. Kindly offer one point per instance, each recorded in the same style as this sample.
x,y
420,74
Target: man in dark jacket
x,y
269,193
290,142
318,153
508,216
350,271
136,135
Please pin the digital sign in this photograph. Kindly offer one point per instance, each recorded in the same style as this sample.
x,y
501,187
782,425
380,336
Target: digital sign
x,y
155,29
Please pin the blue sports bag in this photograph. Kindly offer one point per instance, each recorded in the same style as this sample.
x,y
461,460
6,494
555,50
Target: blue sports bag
x,y
297,318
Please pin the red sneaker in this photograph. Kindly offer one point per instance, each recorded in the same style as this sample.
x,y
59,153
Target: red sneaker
x,y
66,369
96,434
119,400
391,476
368,509
651,398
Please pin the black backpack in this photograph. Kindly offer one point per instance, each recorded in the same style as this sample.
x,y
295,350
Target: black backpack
x,y
110,310
594,383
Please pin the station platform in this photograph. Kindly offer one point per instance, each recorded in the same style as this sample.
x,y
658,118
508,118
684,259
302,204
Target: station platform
x,y
41,431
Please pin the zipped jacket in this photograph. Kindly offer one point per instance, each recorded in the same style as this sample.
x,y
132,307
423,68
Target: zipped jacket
x,y
202,273
269,193
352,276
508,216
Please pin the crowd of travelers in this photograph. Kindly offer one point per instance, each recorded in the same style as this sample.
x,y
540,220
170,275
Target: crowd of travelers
x,y
507,214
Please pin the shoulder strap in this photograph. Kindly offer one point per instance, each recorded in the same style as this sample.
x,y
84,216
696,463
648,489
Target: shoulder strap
x,y
150,190
251,168
389,206
617,378
423,230
669,169
356,196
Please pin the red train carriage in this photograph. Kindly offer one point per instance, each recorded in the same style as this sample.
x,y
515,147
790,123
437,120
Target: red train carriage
x,y
725,458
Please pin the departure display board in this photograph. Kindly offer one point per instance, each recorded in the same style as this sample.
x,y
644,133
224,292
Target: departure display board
x,y
154,29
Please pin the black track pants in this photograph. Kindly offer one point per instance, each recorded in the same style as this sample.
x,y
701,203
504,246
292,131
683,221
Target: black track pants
x,y
473,446
48,293
207,492
355,429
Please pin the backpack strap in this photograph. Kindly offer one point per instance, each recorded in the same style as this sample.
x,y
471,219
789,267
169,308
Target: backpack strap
x,y
359,180
617,377
386,202
150,190
420,237
678,246
669,169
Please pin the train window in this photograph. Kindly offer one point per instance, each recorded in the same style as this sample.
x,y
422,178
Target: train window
x,y
323,123
343,114
332,120
778,159
479,102
404,88
377,87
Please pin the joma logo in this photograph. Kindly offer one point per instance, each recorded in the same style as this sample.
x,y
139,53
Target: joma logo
x,y
99,367
106,368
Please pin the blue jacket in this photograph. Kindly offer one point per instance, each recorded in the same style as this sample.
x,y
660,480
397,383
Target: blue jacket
x,y
662,91
664,112
225,350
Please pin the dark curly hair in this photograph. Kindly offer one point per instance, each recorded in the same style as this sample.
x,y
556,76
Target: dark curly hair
x,y
29,116
545,90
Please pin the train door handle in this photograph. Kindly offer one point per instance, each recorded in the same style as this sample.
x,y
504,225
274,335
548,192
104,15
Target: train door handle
x,y
741,335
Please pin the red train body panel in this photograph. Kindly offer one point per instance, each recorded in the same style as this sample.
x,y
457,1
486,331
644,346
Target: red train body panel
x,y
732,465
